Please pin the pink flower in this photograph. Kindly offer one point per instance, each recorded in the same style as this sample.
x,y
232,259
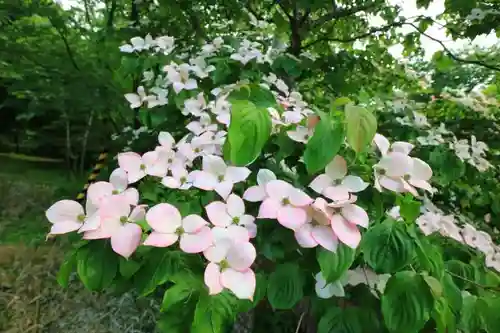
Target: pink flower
x,y
344,221
137,166
420,173
318,229
67,216
178,180
117,221
216,175
98,192
385,147
203,125
334,183
168,226
390,170
231,213
229,268
258,192
300,134
285,203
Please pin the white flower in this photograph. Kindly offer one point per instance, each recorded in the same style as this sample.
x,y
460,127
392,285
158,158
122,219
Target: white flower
x,y
300,134
200,67
179,179
202,125
246,52
178,76
327,290
222,109
477,239
136,100
165,44
138,44
195,106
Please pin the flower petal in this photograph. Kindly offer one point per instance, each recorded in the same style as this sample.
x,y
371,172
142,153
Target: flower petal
x,y
402,147
299,198
217,214
138,213
325,237
337,168
292,217
203,180
236,174
219,250
241,256
396,164
235,206
214,165
278,189
171,182
269,209
356,215
64,227
64,211
224,189
382,143
421,170
392,184
193,223
160,240
212,279
130,162
255,193
119,179
337,193
320,183
304,237
126,240
242,284
131,196
346,232
166,140
196,242
164,218
354,184
264,176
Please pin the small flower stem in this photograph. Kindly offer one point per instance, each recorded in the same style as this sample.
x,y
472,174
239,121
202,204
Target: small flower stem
x,y
474,283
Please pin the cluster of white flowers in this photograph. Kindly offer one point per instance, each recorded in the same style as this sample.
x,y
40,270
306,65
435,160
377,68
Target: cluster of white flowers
x,y
473,152
434,136
478,14
163,44
434,220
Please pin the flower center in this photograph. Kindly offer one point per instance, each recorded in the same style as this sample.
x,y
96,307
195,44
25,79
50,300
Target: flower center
x,y
338,181
406,177
80,218
306,137
142,167
114,192
285,201
220,178
170,160
236,220
183,180
179,231
197,150
223,265
123,219
381,172
213,137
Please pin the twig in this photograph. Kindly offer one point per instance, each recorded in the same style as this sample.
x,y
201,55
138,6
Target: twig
x,y
300,322
474,283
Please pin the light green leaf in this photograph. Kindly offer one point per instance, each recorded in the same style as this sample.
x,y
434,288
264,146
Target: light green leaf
x,y
213,313
470,316
68,266
361,126
406,303
248,132
175,294
97,265
324,144
452,293
128,267
334,264
443,316
285,286
387,237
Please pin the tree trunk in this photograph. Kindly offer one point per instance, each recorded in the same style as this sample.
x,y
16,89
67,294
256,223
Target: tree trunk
x,y
85,140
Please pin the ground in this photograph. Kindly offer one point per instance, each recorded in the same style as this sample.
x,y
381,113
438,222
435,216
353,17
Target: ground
x,y
30,298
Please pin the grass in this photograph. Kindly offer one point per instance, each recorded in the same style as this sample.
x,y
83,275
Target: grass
x,y
27,189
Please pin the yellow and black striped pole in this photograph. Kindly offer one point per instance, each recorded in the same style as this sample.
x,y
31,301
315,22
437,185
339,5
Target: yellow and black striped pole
x,y
101,162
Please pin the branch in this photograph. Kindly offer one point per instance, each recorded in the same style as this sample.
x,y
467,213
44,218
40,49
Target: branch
x,y
66,45
336,14
355,38
451,54
284,11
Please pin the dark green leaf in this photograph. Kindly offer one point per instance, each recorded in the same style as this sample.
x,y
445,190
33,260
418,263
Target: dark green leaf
x,y
347,320
324,144
68,266
128,267
470,316
382,239
334,264
97,265
452,293
285,286
406,303
176,294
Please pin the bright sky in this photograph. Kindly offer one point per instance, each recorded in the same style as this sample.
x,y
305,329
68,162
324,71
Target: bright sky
x,y
410,9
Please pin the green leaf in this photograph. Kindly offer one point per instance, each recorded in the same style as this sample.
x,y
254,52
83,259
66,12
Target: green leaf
x,y
470,316
434,285
443,316
128,267
67,267
324,144
406,303
361,126
387,237
161,265
248,132
97,265
460,272
488,308
171,323
334,264
409,209
285,286
259,294
348,320
452,293
213,313
429,258
175,295
341,101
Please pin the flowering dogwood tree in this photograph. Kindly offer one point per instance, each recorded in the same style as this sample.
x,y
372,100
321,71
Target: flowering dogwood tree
x,y
256,196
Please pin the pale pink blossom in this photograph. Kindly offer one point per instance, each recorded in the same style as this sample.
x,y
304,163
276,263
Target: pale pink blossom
x,y
168,227
429,222
195,106
477,239
419,176
222,109
391,170
231,212
217,176
68,215
117,222
209,138
178,180
178,76
229,268
202,125
285,203
258,192
334,183
385,147
493,260
137,166
117,185
300,134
